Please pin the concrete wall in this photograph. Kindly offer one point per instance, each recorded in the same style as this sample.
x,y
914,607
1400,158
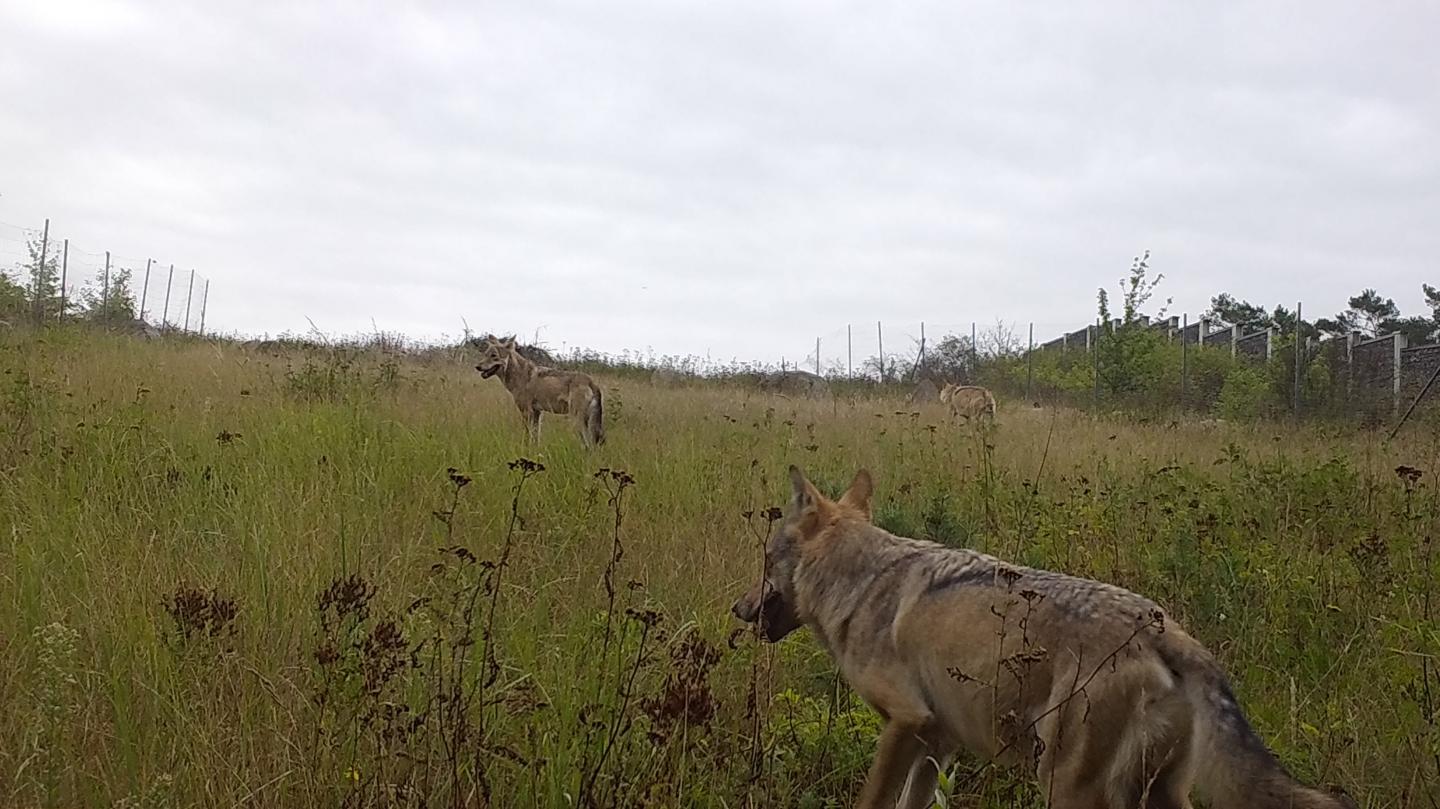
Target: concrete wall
x,y
1255,347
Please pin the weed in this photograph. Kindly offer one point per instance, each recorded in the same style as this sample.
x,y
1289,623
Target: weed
x,y
195,613
54,703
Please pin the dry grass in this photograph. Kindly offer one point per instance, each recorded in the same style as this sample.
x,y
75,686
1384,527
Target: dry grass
x,y
146,490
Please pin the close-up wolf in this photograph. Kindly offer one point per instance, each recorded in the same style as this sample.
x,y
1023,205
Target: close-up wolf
x,y
1091,687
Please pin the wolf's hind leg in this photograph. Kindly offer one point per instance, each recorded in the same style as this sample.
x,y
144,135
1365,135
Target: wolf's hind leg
x,y
580,413
919,792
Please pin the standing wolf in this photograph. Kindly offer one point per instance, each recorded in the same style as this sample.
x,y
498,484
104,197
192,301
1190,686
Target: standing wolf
x,y
970,401
1092,687
536,388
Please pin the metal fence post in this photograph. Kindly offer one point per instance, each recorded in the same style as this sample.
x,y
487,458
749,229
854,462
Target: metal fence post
x,y
204,302
921,364
1095,355
146,290
1299,356
1349,366
64,272
1030,366
880,337
165,313
40,273
1184,361
849,352
190,293
974,355
105,290
1398,342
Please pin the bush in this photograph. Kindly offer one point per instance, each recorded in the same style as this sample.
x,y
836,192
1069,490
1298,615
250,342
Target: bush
x,y
1245,395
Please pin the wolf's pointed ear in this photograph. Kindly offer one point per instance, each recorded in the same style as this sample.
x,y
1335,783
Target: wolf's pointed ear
x,y
858,495
806,496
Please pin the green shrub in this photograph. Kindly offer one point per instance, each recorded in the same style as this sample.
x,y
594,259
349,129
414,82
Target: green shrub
x,y
1245,395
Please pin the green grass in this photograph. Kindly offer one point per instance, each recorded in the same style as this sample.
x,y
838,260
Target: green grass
x,y
171,514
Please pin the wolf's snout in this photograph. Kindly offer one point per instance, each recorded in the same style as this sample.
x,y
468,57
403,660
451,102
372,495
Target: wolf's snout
x,y
744,609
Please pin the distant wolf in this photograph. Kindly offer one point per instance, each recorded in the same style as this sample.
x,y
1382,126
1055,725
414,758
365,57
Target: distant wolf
x,y
970,401
795,383
1091,687
537,388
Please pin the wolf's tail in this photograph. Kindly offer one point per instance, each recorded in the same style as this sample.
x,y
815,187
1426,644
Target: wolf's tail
x,y
1236,769
595,416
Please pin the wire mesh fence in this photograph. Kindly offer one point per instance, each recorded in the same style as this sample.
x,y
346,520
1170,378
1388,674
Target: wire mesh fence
x,y
46,277
1195,363
888,351
1181,362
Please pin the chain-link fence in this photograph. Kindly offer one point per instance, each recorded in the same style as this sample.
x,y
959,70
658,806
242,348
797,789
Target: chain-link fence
x,y
1197,364
46,278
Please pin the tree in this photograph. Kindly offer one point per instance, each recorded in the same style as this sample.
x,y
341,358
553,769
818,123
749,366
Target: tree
x,y
1432,301
1338,326
1368,310
952,359
1284,322
1128,351
1417,329
1237,312
44,290
112,302
883,370
13,300
1135,292
1000,341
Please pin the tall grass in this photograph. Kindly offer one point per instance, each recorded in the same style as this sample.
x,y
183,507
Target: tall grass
x,y
230,578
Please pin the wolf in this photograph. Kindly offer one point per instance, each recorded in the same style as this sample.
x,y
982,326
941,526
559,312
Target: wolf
x,y
537,388
970,401
1091,687
795,383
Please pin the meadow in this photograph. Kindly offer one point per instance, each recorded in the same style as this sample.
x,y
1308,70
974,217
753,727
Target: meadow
x,y
342,578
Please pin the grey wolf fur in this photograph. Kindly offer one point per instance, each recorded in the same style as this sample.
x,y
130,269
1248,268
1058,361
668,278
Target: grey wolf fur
x,y
795,383
970,401
1091,687
924,392
536,389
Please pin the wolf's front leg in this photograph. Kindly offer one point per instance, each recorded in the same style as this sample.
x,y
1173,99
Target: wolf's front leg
x,y
531,418
900,749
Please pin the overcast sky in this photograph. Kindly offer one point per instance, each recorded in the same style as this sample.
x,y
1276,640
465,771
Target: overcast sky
x,y
733,178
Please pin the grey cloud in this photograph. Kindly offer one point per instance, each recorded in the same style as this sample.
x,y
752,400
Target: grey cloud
x,y
736,177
